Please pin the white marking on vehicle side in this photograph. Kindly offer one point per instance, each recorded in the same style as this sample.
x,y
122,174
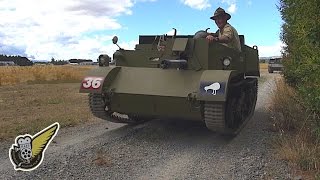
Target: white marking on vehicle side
x,y
214,87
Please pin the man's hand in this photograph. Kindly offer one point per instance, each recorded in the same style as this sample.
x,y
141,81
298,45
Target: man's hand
x,y
211,38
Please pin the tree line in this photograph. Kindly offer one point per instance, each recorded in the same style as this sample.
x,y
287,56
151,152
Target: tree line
x,y
18,60
62,62
58,62
24,61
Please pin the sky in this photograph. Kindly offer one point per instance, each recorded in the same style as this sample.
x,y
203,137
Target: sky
x,y
83,29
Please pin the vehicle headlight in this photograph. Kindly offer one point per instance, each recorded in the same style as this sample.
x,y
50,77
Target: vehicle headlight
x,y
103,60
227,61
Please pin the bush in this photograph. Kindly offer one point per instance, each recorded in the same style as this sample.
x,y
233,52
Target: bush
x,y
301,34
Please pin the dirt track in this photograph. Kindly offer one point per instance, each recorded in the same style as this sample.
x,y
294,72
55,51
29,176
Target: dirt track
x,y
159,149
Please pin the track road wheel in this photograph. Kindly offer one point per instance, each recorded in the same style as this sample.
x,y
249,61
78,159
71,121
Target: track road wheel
x,y
233,114
99,108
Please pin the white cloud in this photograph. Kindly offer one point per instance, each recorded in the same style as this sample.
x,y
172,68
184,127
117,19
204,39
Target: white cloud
x,y
145,1
232,8
197,4
249,2
111,48
59,29
232,5
272,50
229,1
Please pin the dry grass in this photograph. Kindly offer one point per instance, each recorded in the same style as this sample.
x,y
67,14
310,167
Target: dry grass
x,y
30,108
10,75
263,66
296,142
285,107
31,98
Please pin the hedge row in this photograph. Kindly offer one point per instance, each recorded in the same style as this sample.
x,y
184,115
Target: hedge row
x,y
301,34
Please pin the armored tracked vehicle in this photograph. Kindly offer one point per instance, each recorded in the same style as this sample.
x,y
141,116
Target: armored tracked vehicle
x,y
177,76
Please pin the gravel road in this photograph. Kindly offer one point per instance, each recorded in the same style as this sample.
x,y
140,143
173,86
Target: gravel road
x,y
159,149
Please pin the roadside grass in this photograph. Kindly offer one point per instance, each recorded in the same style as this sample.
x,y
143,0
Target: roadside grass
x,y
263,66
297,141
27,108
262,79
32,98
11,75
263,69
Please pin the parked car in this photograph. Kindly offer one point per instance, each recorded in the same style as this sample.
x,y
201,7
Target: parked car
x,y
275,64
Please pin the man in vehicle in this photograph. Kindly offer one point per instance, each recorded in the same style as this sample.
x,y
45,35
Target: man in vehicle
x,y
227,35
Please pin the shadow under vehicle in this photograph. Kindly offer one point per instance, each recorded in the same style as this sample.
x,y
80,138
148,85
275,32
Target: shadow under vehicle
x,y
178,76
275,64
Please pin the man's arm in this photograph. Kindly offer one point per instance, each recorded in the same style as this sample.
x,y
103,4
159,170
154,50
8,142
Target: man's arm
x,y
226,36
224,39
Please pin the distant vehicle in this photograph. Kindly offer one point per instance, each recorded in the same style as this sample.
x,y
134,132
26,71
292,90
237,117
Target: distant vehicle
x,y
275,64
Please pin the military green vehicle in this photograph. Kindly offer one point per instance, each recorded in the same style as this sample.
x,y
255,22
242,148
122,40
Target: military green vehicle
x,y
177,76
275,64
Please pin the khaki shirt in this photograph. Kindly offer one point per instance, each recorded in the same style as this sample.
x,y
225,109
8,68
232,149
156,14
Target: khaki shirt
x,y
233,36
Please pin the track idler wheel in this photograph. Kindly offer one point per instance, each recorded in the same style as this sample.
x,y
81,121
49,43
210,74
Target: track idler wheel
x,y
99,106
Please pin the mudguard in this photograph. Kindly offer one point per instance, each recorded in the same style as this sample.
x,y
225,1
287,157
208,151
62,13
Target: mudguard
x,y
98,78
213,85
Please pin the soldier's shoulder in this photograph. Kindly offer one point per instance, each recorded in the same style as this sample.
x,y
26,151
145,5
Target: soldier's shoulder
x,y
228,27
